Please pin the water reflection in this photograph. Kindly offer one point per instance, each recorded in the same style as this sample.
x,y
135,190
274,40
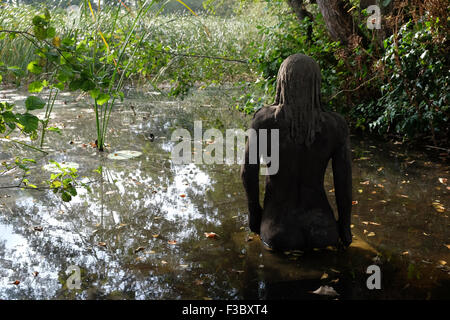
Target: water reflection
x,y
141,233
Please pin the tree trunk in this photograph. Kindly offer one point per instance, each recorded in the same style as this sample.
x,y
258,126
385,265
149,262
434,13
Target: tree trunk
x,y
299,10
338,20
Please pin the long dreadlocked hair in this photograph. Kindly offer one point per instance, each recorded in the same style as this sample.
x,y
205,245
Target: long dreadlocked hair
x,y
298,97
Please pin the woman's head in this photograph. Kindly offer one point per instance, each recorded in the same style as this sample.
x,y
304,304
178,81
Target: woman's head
x,y
298,97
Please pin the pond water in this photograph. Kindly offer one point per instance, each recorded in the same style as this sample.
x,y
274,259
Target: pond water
x,y
140,234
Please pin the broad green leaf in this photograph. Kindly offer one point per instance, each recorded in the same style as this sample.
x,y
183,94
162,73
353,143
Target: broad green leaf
x,y
102,99
94,93
66,197
34,67
33,103
35,87
29,122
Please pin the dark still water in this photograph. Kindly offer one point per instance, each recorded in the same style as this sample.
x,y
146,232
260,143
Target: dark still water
x,y
140,234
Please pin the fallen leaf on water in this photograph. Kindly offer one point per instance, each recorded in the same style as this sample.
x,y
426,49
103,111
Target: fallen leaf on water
x,y
365,182
354,202
198,282
365,222
379,169
380,185
360,190
331,190
163,261
335,271
109,192
365,231
371,234
447,245
211,235
182,195
326,291
426,234
102,244
352,226
442,262
324,276
184,265
443,180
155,235
139,249
402,195
38,228
438,206
172,242
404,253
334,281
375,223
93,144
17,282
150,252
207,298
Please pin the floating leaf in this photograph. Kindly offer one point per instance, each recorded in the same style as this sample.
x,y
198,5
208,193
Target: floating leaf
x,y
442,262
172,242
66,165
17,282
211,235
324,276
155,235
139,249
438,207
183,195
102,244
35,273
354,202
326,291
371,234
124,155
365,182
38,228
443,180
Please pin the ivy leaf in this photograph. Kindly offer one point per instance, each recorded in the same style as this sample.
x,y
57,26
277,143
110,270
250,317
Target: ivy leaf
x,y
33,103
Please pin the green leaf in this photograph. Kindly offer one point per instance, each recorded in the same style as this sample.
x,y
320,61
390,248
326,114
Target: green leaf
x,y
94,93
33,103
66,197
35,87
28,121
102,99
34,67
54,129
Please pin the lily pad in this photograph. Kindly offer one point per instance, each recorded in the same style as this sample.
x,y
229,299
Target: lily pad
x,y
124,155
53,168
